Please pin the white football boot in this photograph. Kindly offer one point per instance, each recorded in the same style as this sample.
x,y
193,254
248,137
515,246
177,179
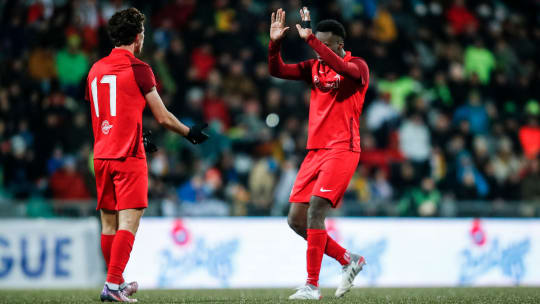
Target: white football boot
x,y
350,271
306,292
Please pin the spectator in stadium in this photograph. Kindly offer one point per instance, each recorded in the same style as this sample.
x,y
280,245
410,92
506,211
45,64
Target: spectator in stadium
x,y
400,88
284,187
41,65
475,113
381,190
460,18
505,162
237,82
202,62
441,131
471,184
72,66
529,186
443,98
414,142
67,183
421,201
479,61
384,29
507,166
261,182
381,119
404,179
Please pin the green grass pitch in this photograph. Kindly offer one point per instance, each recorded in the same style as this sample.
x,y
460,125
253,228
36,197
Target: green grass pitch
x,y
357,295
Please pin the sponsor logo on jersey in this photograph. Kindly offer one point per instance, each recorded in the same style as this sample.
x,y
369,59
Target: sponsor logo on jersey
x,y
106,127
327,85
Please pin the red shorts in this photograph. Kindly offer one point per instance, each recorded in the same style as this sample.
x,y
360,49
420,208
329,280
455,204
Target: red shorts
x,y
325,173
121,183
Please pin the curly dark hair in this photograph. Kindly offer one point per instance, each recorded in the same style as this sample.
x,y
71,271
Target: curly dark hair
x,y
125,25
333,26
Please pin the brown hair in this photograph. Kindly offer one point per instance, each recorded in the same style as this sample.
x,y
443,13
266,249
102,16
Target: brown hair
x,y
125,25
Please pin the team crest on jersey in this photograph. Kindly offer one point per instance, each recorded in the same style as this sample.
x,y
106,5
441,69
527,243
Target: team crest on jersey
x,y
327,85
106,127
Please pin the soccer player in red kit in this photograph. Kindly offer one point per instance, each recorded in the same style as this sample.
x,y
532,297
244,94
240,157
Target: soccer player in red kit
x,y
118,88
338,85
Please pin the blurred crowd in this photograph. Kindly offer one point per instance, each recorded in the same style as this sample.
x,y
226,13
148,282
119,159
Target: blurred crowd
x,y
451,115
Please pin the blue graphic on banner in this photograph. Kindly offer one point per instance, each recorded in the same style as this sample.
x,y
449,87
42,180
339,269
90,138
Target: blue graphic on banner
x,y
372,252
509,259
33,257
217,261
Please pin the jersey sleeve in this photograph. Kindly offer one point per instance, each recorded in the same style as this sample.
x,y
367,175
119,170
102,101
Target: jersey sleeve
x,y
362,68
357,69
144,77
277,68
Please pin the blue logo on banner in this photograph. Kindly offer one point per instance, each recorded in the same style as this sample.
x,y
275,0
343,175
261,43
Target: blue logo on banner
x,y
217,261
509,259
372,252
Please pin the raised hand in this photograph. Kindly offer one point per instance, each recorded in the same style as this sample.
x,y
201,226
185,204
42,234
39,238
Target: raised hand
x,y
304,32
277,26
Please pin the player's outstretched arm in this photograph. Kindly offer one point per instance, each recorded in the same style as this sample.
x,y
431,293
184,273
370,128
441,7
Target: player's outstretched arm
x,y
276,66
166,119
356,69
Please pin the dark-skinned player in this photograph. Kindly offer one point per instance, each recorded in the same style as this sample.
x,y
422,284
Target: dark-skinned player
x,y
338,83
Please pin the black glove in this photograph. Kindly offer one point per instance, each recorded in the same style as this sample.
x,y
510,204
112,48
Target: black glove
x,y
149,146
196,134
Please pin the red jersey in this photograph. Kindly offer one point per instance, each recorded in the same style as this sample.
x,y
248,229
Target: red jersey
x,y
115,88
338,88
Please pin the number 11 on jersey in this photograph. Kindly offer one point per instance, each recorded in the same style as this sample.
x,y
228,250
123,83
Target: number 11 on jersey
x,y
111,80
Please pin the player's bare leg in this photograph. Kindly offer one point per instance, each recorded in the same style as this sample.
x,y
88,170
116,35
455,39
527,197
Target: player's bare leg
x,y
317,211
129,219
109,222
297,218
128,224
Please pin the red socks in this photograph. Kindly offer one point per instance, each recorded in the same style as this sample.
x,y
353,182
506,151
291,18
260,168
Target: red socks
x,y
106,244
120,251
337,252
316,239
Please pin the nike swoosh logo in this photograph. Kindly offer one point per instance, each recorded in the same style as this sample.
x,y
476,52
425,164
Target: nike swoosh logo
x,y
324,190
